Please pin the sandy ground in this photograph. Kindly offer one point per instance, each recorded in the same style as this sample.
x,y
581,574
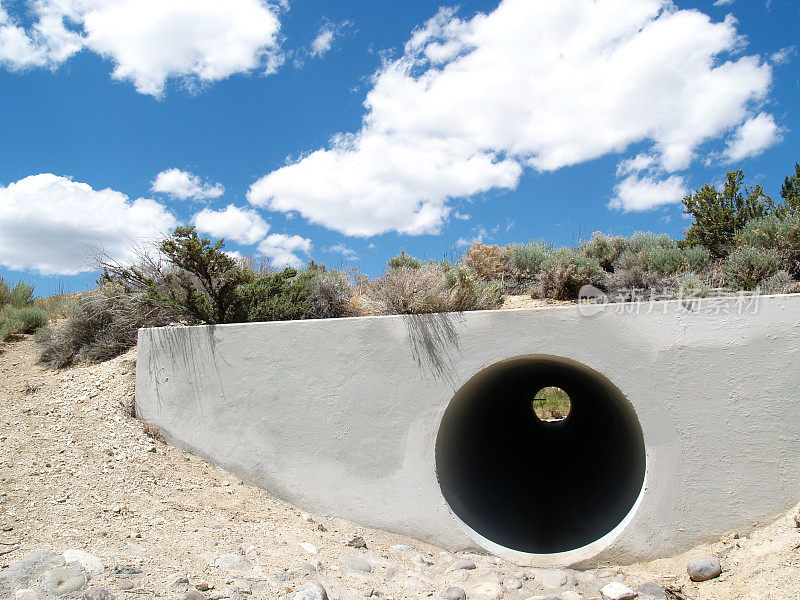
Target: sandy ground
x,y
77,471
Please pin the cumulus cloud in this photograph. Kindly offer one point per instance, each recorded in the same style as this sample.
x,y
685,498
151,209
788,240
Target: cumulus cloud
x,y
638,193
471,103
324,40
50,223
752,138
783,56
149,41
282,249
185,186
233,223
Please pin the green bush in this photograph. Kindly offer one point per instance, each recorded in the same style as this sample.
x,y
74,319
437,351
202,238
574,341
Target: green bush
x,y
32,318
527,260
404,260
747,267
691,285
645,241
18,296
275,296
719,215
565,273
698,258
781,234
606,249
666,260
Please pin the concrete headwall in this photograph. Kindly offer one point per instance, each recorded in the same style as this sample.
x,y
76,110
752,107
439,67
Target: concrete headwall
x,y
697,407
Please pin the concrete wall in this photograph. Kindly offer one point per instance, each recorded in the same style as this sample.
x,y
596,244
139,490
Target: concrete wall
x,y
341,416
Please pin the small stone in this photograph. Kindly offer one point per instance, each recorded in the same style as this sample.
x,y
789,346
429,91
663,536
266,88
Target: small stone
x,y
176,580
512,583
127,570
797,520
203,586
24,573
389,574
465,564
355,563
617,591
193,595
237,564
552,578
310,548
63,580
88,562
125,584
97,593
620,577
357,542
651,591
423,561
313,591
454,593
703,569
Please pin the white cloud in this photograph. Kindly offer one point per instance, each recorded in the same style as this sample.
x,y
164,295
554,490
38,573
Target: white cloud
x,y
783,56
723,2
282,249
636,194
185,186
50,224
752,138
471,103
347,253
233,223
149,41
480,236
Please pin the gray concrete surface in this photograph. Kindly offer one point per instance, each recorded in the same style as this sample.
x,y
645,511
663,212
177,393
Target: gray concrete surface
x,y
342,416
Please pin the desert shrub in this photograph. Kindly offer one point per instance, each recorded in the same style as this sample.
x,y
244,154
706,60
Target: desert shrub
x,y
19,295
330,296
698,258
404,260
565,273
605,249
32,318
430,288
645,242
666,260
103,325
274,296
781,283
691,285
771,232
719,215
747,267
528,259
488,261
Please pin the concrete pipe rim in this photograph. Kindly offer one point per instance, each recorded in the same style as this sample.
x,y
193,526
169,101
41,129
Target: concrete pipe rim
x,y
498,389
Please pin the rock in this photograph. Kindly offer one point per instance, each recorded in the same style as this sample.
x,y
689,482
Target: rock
x,y
389,574
651,591
203,586
310,548
617,591
63,580
571,595
423,561
127,570
465,564
797,520
176,580
236,564
25,572
512,583
355,563
551,578
454,593
313,591
357,542
703,569
125,584
490,589
26,594
620,577
194,595
97,593
88,562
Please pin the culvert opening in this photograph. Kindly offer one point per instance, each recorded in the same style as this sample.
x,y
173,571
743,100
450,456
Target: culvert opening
x,y
535,485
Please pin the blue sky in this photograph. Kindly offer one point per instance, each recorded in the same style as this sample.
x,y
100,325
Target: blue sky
x,y
499,122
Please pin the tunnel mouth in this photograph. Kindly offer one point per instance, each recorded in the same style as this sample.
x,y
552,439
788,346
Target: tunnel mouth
x,y
534,486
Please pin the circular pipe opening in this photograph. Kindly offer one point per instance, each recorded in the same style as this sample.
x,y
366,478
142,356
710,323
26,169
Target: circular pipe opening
x,y
537,486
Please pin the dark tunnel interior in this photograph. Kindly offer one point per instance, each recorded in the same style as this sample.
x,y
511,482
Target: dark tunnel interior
x,y
535,486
